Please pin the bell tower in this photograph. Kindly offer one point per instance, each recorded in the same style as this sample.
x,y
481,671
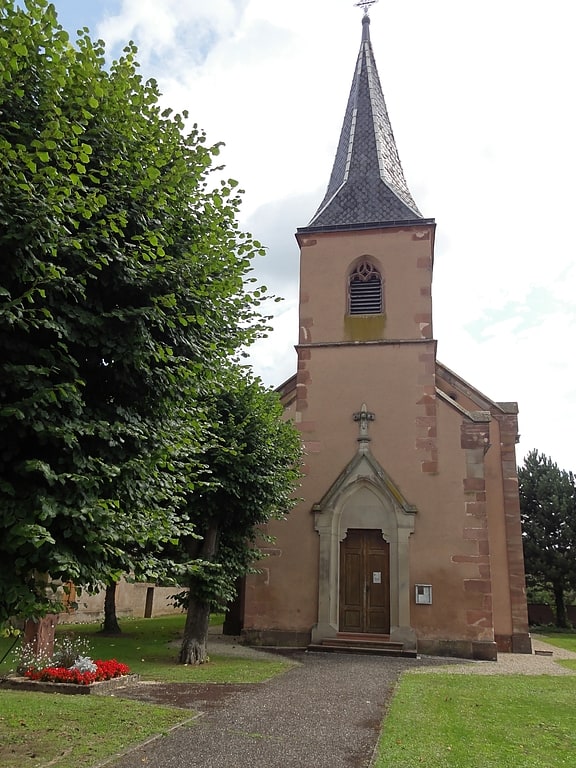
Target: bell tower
x,y
366,260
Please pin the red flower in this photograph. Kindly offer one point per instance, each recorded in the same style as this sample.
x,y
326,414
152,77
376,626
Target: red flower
x,y
105,671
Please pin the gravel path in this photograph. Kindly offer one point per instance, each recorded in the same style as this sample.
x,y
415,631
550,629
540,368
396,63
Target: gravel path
x,y
507,664
324,712
515,663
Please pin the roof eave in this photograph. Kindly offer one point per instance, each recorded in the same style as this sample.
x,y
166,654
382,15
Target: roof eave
x,y
363,226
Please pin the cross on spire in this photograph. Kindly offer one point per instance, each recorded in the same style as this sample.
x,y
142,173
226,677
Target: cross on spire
x,y
365,4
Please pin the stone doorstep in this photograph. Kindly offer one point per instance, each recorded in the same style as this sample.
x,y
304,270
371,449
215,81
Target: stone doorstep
x,y
101,688
351,642
361,649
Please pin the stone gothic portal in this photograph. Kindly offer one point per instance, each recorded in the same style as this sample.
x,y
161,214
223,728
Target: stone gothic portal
x,y
364,525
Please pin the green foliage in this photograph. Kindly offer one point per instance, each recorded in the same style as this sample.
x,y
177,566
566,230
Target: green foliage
x,y
254,461
541,592
548,509
9,630
122,291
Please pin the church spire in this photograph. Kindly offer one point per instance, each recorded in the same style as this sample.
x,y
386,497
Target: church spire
x,y
367,184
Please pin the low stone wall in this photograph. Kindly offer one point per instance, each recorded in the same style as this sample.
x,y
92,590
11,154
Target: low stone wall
x,y
538,613
102,688
132,601
459,649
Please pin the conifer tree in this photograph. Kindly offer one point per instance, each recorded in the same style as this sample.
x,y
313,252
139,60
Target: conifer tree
x,y
548,508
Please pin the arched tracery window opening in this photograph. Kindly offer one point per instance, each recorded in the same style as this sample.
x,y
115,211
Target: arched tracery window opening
x,y
365,290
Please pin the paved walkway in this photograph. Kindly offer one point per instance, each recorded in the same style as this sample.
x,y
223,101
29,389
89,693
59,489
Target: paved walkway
x,y
325,712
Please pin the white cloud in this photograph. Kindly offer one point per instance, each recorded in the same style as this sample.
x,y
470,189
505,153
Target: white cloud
x,y
275,362
164,27
480,101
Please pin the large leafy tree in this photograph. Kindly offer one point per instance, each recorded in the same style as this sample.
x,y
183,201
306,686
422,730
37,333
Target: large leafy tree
x,y
253,462
121,288
548,508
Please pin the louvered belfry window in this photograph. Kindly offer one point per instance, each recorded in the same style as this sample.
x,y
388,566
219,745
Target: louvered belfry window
x,y
365,290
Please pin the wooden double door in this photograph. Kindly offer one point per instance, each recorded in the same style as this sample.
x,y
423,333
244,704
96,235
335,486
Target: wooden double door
x,y
364,582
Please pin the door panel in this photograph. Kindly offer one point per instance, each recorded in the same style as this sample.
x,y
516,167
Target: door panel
x,y
351,587
364,582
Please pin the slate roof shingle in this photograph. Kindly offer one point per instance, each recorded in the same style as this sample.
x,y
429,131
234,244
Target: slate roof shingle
x,y
367,184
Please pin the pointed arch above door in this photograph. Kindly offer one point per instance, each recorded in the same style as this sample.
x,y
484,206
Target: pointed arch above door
x,y
364,497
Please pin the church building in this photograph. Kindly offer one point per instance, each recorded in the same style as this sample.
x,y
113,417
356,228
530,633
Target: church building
x,y
407,535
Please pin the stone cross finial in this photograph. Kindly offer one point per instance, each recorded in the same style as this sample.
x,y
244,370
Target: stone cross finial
x,y
365,4
363,416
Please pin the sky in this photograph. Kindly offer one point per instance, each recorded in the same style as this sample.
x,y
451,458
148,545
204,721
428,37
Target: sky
x,y
480,96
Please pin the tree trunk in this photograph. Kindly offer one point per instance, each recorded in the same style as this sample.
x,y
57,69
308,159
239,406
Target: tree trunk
x,y
110,626
39,635
561,619
193,649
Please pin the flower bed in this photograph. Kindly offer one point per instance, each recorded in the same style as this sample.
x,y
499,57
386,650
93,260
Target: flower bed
x,y
105,670
68,668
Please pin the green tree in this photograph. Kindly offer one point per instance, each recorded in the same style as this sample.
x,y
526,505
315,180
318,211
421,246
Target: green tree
x,y
548,509
122,287
253,461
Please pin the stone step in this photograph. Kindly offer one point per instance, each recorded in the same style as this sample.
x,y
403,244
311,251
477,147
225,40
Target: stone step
x,y
375,649
365,642
363,638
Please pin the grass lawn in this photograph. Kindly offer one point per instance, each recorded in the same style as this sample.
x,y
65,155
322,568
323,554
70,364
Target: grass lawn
x,y
562,639
39,730
468,721
150,648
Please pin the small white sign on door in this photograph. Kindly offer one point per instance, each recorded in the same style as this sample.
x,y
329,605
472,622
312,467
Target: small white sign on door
x,y
376,577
